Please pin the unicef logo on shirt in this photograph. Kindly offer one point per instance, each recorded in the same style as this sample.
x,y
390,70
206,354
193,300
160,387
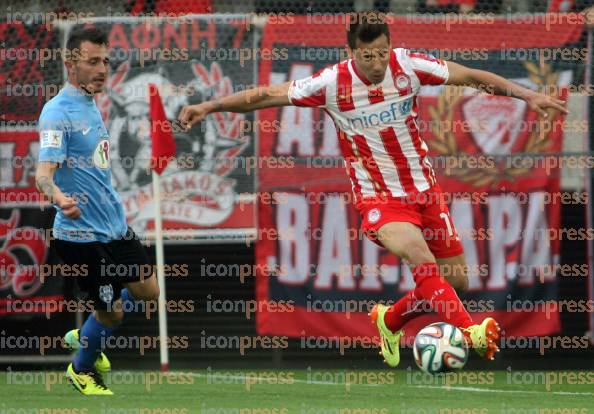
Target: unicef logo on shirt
x,y
405,107
101,155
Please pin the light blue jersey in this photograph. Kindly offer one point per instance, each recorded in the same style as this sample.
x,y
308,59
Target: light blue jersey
x,y
72,133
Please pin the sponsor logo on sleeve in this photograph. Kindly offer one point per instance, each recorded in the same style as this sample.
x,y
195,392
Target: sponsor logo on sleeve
x,y
51,138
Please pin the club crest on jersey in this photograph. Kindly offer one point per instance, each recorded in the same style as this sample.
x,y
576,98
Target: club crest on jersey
x,y
106,293
402,81
101,154
374,215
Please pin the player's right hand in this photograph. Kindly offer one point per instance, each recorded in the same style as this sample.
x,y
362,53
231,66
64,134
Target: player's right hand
x,y
69,208
192,114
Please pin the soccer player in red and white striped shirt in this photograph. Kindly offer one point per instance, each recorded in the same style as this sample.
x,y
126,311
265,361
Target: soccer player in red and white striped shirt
x,y
371,98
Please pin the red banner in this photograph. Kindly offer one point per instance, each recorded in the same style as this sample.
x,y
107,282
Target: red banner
x,y
504,204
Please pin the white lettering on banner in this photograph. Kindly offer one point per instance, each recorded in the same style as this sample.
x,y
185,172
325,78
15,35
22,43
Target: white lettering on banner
x,y
335,248
292,218
29,165
536,249
507,252
390,274
505,219
406,282
6,170
13,165
461,212
372,270
370,274
296,122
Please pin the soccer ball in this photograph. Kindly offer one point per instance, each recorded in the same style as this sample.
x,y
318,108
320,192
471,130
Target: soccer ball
x,y
440,347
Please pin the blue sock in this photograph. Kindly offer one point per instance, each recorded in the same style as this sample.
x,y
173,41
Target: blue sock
x,y
128,302
92,338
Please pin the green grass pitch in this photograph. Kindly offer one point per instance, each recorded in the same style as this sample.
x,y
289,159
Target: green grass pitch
x,y
403,391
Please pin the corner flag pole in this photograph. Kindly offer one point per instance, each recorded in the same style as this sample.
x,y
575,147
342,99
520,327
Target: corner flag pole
x,y
162,151
163,350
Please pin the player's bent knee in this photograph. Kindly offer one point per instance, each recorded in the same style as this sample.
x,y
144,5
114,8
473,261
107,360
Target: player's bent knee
x,y
145,290
151,290
414,253
151,293
460,284
419,253
154,293
406,241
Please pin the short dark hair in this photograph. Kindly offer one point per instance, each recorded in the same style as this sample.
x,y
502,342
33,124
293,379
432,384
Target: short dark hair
x,y
366,26
89,34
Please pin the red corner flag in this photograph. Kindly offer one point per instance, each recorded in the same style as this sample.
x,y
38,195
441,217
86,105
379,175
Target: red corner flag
x,y
163,144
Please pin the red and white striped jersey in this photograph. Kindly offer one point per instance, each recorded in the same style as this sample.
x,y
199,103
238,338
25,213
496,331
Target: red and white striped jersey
x,y
376,124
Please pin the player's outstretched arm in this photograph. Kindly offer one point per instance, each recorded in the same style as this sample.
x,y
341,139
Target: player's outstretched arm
x,y
244,101
490,82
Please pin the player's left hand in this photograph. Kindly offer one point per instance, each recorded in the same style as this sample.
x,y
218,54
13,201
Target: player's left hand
x,y
539,103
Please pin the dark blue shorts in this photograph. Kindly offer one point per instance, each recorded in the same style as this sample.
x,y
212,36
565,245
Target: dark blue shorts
x,y
106,267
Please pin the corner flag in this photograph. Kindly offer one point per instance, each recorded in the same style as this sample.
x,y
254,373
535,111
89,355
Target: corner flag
x,y
163,144
162,151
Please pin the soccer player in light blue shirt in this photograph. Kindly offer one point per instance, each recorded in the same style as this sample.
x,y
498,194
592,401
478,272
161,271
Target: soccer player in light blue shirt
x,y
73,134
90,229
